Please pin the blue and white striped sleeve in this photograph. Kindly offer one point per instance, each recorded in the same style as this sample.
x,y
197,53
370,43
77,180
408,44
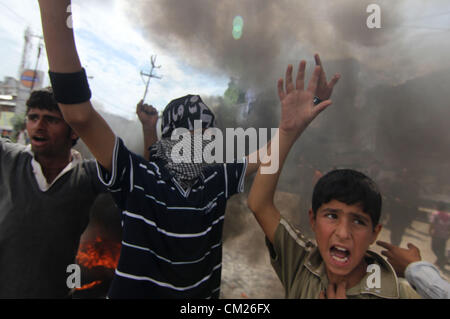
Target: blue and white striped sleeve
x,y
120,178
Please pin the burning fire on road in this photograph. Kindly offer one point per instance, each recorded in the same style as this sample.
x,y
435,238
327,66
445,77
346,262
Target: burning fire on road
x,y
98,259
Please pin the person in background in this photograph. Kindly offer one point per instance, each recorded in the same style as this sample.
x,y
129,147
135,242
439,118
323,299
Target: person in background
x,y
440,233
404,193
422,275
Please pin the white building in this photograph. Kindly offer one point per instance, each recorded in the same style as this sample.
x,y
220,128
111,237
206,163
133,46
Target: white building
x,y
8,100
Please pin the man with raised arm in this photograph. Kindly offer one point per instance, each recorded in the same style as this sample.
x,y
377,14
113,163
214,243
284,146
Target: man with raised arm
x,y
172,215
346,207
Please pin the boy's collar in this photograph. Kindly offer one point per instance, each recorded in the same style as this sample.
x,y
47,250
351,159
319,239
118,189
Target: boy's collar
x,y
388,279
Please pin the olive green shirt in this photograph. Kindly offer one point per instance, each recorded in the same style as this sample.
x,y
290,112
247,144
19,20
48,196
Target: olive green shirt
x,y
300,267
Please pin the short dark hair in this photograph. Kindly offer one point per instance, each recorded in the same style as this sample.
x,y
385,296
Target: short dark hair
x,y
349,187
44,99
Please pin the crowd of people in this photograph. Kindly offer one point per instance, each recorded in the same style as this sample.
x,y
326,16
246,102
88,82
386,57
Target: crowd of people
x,y
173,213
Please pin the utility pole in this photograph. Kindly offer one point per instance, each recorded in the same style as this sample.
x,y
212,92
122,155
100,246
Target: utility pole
x,y
30,76
26,48
150,75
37,63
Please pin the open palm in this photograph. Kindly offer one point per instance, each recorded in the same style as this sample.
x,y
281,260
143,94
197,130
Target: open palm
x,y
297,107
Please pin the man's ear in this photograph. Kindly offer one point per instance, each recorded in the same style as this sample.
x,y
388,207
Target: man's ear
x,y
376,232
312,220
73,137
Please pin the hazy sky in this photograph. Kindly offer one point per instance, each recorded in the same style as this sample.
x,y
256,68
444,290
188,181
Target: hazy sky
x,y
112,52
194,44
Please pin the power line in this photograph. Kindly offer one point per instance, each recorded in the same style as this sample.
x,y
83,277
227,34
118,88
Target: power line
x,y
150,75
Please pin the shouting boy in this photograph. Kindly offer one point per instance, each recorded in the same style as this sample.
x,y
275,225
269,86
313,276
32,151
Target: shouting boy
x,y
344,217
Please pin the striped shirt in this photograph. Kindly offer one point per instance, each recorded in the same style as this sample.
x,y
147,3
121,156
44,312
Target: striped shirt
x,y
172,239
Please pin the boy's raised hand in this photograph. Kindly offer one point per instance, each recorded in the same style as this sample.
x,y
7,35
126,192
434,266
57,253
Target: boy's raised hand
x,y
297,106
297,111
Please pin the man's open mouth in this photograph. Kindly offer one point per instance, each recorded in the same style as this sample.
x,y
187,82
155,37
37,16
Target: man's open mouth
x,y
339,254
39,139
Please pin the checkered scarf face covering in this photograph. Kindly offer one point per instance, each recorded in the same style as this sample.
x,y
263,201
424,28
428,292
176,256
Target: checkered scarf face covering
x,y
186,169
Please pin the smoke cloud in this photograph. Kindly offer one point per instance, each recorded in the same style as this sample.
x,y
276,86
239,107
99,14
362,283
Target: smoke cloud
x,y
390,108
275,33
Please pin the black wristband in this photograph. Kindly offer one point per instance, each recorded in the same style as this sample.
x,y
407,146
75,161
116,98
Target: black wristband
x,y
70,88
317,101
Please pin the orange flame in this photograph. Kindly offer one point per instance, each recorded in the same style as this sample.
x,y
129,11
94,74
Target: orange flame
x,y
99,253
90,285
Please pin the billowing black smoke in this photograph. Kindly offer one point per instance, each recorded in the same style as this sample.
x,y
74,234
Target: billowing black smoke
x,y
389,116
